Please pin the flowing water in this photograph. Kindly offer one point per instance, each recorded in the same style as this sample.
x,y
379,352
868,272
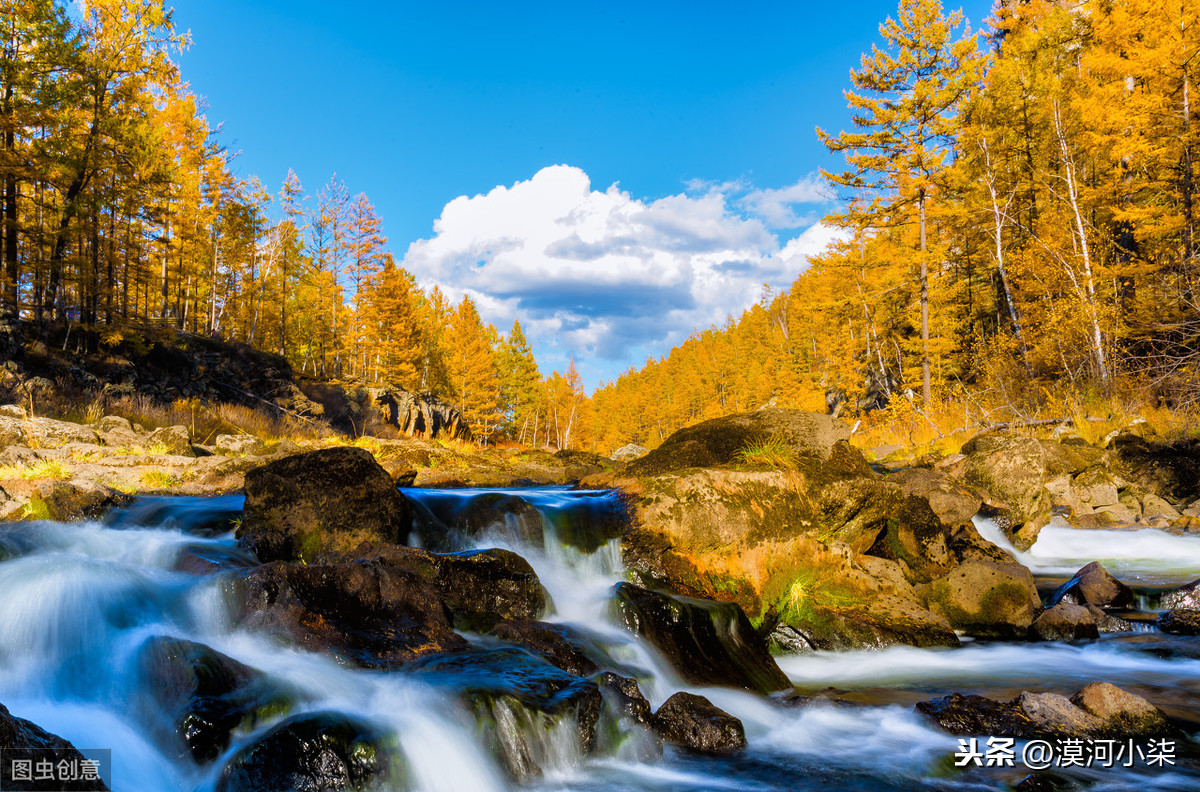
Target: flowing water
x,y
78,603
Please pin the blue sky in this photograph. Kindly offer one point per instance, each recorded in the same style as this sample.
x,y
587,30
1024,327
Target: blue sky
x,y
490,136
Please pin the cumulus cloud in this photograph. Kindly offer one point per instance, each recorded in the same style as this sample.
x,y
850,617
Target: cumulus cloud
x,y
606,277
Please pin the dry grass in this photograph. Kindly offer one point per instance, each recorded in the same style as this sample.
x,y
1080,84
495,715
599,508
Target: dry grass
x,y
154,479
44,469
1091,414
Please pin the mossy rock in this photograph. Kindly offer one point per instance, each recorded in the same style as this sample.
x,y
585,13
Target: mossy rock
x,y
986,599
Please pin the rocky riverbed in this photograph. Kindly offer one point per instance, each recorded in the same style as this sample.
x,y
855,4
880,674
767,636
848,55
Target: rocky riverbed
x,y
686,619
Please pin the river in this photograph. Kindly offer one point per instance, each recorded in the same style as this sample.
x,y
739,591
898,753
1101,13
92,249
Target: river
x,y
79,602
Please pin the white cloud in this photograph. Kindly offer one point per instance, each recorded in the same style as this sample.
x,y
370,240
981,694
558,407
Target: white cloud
x,y
605,277
775,206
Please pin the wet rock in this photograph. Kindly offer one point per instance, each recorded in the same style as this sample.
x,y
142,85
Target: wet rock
x,y
695,723
1106,622
625,696
970,714
1187,596
788,640
1181,621
1052,713
1185,525
21,739
986,599
1044,781
1065,622
1094,585
557,644
371,613
480,587
201,696
708,642
521,702
718,441
1123,713
320,505
1098,710
966,544
324,751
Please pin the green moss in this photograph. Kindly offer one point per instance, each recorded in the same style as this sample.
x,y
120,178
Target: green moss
x,y
35,509
310,546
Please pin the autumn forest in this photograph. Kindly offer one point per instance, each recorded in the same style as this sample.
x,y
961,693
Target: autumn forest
x,y
1018,226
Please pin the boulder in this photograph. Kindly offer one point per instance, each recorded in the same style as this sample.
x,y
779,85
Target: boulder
x,y
695,723
1012,471
1065,622
558,644
1181,621
1170,470
1154,506
13,411
324,751
986,599
1094,585
477,588
21,739
624,695
320,505
197,697
916,536
117,432
1054,714
176,439
239,445
718,441
371,613
708,642
520,702
628,453
1095,487
970,714
1123,712
1098,710
950,501
481,587
1187,596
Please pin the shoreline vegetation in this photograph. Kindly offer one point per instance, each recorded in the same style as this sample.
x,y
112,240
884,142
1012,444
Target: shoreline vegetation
x,y
1017,243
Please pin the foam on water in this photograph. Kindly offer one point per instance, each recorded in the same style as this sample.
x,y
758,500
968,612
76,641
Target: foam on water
x,y
1145,555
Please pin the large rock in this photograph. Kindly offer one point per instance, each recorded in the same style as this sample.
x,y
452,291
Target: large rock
x,y
1122,712
176,439
521,703
324,751
481,587
371,613
1098,710
1181,621
708,643
478,588
628,453
695,723
1094,585
320,505
986,599
1012,471
1187,596
1170,470
196,697
718,441
1065,622
558,644
950,501
20,739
